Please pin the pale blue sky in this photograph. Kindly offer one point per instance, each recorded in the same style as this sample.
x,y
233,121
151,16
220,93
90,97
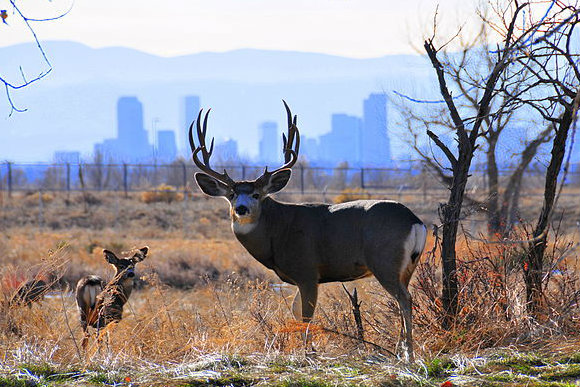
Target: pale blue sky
x,y
353,28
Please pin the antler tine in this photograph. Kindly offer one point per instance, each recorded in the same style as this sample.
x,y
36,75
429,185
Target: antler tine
x,y
205,154
290,142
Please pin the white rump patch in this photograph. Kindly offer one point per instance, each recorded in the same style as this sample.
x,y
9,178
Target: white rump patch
x,y
90,295
414,244
420,231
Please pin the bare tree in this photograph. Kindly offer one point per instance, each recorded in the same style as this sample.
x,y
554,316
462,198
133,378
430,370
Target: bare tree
x,y
535,67
463,68
468,129
553,91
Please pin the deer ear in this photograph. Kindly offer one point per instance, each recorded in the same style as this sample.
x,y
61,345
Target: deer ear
x,y
278,181
110,257
211,186
141,254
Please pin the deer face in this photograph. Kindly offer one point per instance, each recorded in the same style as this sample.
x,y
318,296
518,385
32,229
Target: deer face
x,y
125,267
245,197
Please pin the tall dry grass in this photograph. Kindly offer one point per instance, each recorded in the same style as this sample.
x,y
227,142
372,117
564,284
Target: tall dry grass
x,y
200,295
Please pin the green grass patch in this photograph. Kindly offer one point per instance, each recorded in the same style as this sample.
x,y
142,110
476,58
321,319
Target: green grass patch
x,y
6,381
569,371
571,359
438,368
228,381
49,373
104,378
527,364
304,382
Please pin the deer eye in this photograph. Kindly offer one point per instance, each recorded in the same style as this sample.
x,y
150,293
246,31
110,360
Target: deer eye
x,y
256,196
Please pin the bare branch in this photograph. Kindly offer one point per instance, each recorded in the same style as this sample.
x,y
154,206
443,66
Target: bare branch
x,y
8,86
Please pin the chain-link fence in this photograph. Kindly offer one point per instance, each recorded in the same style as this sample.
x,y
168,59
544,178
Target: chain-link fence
x,y
412,179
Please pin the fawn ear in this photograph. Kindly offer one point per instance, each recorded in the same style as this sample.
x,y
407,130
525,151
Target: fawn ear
x,y
141,254
110,257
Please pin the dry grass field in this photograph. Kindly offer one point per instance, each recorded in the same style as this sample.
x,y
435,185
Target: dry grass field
x,y
206,313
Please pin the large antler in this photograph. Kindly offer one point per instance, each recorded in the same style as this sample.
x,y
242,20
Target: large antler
x,y
290,145
205,166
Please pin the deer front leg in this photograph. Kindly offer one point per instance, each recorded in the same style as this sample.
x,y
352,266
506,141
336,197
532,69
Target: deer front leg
x,y
308,297
303,308
305,302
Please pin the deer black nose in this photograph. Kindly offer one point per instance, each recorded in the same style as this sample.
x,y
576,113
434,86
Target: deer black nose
x,y
130,274
242,210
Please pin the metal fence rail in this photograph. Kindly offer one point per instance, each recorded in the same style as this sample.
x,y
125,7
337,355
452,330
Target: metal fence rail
x,y
179,175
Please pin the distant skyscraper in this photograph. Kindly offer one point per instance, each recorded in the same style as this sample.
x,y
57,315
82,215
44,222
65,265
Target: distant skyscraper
x,y
375,147
129,119
309,149
166,145
342,143
191,108
227,151
270,143
132,143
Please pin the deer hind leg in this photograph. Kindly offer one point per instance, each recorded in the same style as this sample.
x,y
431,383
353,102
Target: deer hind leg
x,y
405,308
85,340
397,288
85,327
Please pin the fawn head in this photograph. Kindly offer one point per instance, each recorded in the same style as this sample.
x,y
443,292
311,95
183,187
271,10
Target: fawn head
x,y
125,267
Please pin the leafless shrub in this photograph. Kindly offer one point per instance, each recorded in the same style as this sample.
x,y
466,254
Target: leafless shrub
x,y
350,194
163,193
492,297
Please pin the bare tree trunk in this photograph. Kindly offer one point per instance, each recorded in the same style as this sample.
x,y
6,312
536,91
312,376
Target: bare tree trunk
x,y
451,214
511,195
494,221
534,267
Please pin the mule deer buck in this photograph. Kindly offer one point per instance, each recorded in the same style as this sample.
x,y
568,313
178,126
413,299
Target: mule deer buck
x,y
102,303
310,244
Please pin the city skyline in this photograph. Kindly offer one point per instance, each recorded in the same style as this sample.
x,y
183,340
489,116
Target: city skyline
x,y
344,143
241,94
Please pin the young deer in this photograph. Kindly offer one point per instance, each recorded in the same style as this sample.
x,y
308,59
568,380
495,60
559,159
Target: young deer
x,y
29,292
310,244
99,303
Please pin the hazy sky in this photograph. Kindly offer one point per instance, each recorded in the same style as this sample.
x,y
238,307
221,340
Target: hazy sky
x,y
354,28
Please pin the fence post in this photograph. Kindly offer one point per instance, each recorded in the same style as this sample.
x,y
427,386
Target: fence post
x,y
302,179
184,173
424,182
243,172
67,177
125,180
9,178
362,178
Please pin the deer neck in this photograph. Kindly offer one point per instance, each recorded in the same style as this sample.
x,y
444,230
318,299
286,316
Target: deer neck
x,y
120,290
257,240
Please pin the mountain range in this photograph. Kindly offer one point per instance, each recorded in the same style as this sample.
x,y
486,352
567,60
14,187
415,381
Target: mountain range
x,y
75,105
